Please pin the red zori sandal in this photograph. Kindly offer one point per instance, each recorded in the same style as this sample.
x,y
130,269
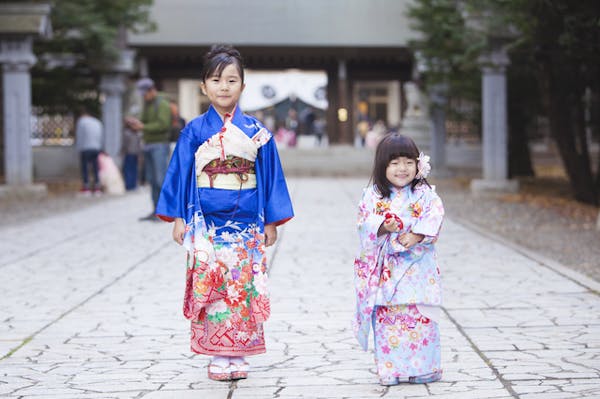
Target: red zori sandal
x,y
239,369
218,372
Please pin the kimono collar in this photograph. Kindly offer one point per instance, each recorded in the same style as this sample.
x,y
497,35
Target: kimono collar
x,y
405,190
215,123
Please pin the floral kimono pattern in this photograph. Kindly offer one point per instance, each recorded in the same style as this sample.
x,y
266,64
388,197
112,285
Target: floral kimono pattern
x,y
226,297
398,290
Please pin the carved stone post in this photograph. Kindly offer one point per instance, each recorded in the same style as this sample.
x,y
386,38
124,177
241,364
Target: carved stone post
x,y
113,86
481,20
495,132
19,23
17,58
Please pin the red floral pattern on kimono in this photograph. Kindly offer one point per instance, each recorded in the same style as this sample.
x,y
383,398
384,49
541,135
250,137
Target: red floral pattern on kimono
x,y
226,298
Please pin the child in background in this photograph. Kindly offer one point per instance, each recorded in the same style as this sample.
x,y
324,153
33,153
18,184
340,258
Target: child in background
x,y
226,193
397,278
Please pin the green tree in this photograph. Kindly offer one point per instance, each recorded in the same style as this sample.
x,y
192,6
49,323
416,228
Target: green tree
x,y
448,53
555,59
566,36
87,35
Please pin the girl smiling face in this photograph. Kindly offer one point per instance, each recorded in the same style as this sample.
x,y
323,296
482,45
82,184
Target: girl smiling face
x,y
401,171
224,90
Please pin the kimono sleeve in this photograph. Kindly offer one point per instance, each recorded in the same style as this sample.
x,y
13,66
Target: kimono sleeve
x,y
430,219
178,191
277,203
368,219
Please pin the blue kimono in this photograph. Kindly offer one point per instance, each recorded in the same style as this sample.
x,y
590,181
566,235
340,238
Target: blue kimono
x,y
226,297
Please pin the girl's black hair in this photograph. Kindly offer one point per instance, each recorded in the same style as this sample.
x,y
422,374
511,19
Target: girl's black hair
x,y
392,146
218,57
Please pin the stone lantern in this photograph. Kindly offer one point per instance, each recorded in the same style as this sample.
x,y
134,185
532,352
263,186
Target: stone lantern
x,y
494,102
20,23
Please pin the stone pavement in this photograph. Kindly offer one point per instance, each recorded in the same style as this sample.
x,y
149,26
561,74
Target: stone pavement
x,y
91,308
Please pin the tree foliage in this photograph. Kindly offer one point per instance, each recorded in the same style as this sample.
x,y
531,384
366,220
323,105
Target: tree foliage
x,y
448,53
87,35
555,61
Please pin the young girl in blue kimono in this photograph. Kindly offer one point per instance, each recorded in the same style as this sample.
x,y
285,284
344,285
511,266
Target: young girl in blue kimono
x,y
397,279
226,193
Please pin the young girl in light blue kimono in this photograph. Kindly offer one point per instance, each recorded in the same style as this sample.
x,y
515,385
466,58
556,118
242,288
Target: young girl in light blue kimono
x,y
397,278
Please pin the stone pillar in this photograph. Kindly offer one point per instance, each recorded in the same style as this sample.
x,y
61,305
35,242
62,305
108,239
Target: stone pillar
x,y
113,87
21,22
438,121
394,104
494,121
17,58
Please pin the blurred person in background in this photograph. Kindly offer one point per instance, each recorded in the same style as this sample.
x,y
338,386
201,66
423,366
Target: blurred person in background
x,y
131,150
155,125
375,134
89,140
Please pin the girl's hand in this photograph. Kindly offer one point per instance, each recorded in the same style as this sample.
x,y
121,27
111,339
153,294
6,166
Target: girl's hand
x,y
270,234
392,223
409,239
178,230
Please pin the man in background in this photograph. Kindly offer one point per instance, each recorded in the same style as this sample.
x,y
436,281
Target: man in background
x,y
155,124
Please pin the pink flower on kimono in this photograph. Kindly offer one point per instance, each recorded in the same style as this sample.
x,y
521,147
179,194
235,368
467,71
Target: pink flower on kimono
x,y
235,294
385,349
260,283
360,268
386,273
381,314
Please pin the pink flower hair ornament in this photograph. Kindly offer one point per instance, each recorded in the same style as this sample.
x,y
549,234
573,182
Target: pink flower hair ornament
x,y
423,166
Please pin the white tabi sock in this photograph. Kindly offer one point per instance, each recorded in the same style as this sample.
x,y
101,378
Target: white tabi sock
x,y
221,361
237,360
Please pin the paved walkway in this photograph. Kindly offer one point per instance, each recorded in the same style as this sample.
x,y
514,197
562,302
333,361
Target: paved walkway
x,y
91,308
